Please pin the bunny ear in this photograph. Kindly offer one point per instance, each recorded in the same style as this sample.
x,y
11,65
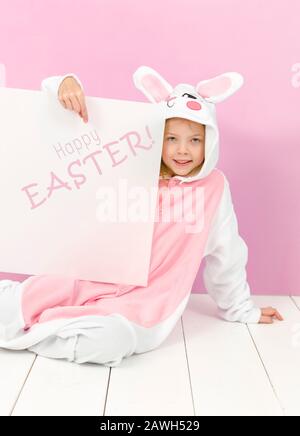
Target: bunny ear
x,y
220,87
152,84
2,75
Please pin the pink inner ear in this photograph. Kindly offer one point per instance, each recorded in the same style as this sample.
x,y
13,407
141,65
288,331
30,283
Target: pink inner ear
x,y
155,87
214,87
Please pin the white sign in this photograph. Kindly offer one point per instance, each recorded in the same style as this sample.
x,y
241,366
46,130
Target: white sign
x,y
59,177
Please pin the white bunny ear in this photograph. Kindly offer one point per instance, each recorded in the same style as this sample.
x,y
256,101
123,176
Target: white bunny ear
x,y
2,75
152,84
220,87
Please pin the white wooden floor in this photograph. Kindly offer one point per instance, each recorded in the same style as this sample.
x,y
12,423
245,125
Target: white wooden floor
x,y
207,367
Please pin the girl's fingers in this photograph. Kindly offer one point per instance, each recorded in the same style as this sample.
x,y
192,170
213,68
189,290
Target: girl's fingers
x,y
266,320
278,316
72,98
83,109
74,103
268,311
67,103
272,312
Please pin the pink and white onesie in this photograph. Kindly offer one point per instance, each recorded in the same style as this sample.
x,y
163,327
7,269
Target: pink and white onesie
x,y
88,321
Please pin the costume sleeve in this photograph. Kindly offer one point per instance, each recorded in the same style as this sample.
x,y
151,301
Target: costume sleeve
x,y
225,260
52,83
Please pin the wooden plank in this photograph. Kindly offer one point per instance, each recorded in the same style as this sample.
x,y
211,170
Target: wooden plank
x,y
152,383
228,378
279,347
296,300
58,387
232,372
14,368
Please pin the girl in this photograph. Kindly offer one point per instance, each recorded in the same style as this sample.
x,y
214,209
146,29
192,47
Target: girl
x,y
87,321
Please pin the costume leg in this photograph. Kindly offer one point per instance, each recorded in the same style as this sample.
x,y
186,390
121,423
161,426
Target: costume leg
x,y
107,343
11,316
96,339
46,297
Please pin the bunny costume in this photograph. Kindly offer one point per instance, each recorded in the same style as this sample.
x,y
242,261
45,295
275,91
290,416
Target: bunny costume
x,y
86,321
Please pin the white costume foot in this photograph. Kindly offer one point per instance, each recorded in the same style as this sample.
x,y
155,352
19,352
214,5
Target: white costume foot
x,y
11,318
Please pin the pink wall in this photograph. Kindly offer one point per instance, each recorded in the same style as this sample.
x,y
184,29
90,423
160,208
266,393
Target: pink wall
x,y
104,41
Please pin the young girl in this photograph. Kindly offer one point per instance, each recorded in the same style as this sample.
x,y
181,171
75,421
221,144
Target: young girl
x,y
88,321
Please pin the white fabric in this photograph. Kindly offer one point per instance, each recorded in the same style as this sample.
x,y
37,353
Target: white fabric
x,y
107,342
225,259
53,83
11,317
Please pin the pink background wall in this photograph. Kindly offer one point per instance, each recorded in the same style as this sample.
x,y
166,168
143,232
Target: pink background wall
x,y
104,41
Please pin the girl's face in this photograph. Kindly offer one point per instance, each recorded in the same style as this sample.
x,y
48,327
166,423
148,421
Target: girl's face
x,y
183,142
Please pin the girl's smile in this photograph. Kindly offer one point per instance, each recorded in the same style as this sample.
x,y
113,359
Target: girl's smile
x,y
182,162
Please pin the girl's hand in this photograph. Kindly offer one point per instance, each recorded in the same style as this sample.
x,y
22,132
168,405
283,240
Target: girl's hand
x,y
71,96
267,315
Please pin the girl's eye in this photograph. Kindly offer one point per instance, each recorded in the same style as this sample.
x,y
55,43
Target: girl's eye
x,y
194,139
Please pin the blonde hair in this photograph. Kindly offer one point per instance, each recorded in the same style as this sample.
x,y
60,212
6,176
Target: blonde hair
x,y
164,170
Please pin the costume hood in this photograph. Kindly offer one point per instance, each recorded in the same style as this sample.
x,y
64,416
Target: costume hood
x,y
195,103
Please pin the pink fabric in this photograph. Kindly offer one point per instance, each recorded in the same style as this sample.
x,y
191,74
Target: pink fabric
x,y
213,87
152,84
175,259
194,105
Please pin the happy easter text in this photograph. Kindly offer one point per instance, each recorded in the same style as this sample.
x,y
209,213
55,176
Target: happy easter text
x,y
131,141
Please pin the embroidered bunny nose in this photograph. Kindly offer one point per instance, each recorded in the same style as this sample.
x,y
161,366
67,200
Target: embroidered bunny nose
x,y
194,105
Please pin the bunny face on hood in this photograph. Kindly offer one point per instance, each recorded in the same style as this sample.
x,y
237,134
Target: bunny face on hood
x,y
195,103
